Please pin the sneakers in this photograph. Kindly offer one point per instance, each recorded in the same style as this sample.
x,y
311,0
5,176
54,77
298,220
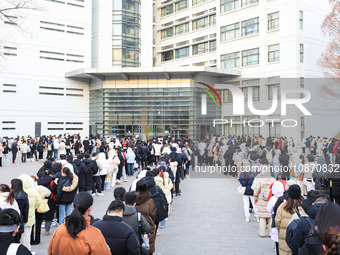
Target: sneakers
x,y
125,180
94,194
100,194
47,233
257,220
247,220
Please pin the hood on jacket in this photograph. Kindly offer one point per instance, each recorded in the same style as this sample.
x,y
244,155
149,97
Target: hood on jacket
x,y
278,189
150,181
77,162
142,174
21,195
73,186
158,178
27,181
129,210
86,161
143,197
313,210
45,180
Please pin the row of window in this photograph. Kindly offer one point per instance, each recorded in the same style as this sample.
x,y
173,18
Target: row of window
x,y
203,22
80,3
59,56
65,129
200,48
171,8
230,5
62,123
57,27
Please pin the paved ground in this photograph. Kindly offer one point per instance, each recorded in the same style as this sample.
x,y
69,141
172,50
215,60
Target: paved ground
x,y
207,219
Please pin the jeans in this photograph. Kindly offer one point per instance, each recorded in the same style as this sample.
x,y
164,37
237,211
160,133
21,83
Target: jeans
x,y
23,157
97,184
64,210
130,169
162,223
55,154
246,206
124,173
5,159
48,225
14,156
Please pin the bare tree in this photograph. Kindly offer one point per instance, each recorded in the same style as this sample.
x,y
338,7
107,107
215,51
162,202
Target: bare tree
x,y
12,10
330,59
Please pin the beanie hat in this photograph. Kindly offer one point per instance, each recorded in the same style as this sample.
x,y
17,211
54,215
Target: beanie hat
x,y
307,203
294,192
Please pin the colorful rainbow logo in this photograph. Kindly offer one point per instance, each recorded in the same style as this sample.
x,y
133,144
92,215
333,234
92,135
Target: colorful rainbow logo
x,y
209,93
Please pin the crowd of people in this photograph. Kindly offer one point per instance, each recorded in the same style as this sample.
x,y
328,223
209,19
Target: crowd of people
x,y
291,188
63,189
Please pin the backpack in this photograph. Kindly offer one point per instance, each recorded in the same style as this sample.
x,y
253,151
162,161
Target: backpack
x,y
161,205
265,189
95,168
28,148
185,155
292,226
269,156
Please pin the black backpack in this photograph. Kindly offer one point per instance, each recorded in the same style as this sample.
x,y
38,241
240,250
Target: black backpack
x,y
161,205
95,167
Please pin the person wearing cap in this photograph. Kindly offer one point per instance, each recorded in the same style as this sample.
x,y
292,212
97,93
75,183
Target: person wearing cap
x,y
9,226
284,214
308,170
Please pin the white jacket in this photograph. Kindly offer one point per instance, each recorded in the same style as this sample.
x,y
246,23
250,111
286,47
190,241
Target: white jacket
x,y
5,205
103,164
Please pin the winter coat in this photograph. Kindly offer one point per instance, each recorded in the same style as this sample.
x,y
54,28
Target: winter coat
x,y
118,235
143,152
312,246
44,193
130,218
277,190
22,200
91,167
130,157
5,241
146,206
34,199
103,164
168,186
81,171
88,241
257,187
66,190
282,220
303,228
6,205
46,182
247,182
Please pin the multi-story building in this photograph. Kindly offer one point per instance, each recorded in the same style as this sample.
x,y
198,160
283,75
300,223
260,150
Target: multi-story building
x,y
148,57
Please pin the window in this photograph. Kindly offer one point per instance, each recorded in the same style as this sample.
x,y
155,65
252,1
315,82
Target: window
x,y
168,55
250,27
8,91
251,82
301,19
181,5
274,53
55,129
302,85
273,21
43,87
203,47
55,123
302,127
8,128
75,95
50,94
250,57
166,33
8,122
74,123
74,89
204,22
167,10
274,126
182,52
245,94
270,91
229,5
301,53
230,60
249,2
9,85
230,32
74,128
256,93
181,29
227,96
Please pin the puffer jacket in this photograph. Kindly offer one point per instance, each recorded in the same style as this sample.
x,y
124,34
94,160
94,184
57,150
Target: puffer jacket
x,y
89,173
247,182
103,164
146,206
34,199
262,203
118,235
282,220
168,186
6,205
66,190
46,181
81,170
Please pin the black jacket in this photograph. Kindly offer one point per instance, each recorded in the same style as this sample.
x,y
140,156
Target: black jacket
x,y
143,152
14,147
86,144
5,241
66,197
91,167
118,235
23,203
80,170
40,147
312,246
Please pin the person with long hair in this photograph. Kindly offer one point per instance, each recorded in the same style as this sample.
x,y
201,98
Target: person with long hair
x,y
22,199
331,240
76,235
9,226
284,214
67,189
327,216
7,198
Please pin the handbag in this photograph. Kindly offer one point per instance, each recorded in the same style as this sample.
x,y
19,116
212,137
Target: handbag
x,y
44,206
241,190
144,237
292,172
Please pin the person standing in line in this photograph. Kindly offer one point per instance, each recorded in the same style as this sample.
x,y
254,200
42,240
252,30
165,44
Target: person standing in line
x,y
14,150
56,146
76,235
1,153
40,149
5,157
331,240
130,161
23,150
